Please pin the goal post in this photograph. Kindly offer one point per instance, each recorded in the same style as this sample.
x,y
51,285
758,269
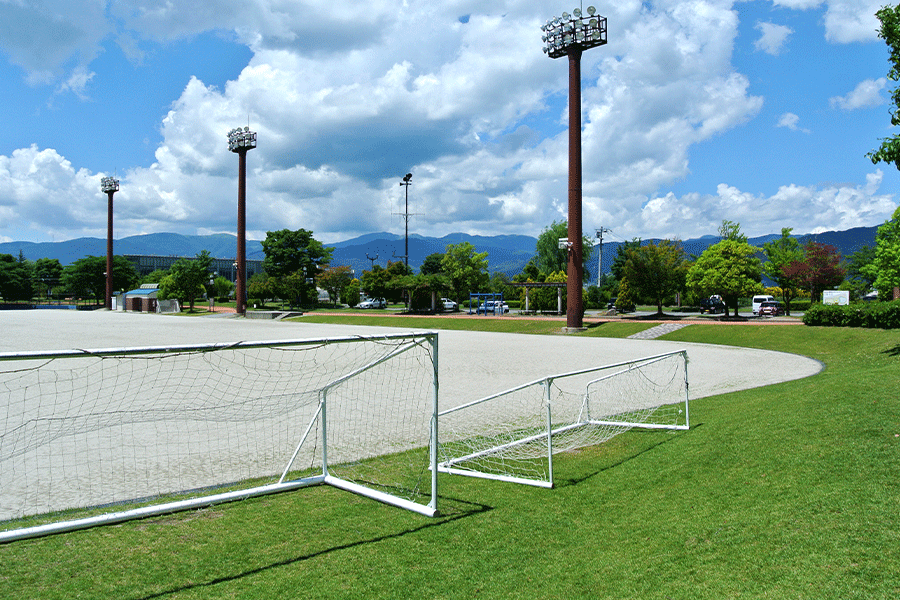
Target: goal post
x,y
513,435
89,437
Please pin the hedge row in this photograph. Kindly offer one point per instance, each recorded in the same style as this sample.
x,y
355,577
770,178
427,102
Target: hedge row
x,y
875,315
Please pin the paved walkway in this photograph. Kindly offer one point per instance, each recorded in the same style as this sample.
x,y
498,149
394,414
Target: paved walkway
x,y
655,332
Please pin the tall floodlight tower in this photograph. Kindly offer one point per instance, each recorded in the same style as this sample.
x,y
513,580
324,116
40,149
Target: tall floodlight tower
x,y
109,185
239,141
570,35
405,183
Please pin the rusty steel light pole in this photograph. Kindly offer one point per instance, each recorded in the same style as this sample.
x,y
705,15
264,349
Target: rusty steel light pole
x,y
570,35
239,142
109,185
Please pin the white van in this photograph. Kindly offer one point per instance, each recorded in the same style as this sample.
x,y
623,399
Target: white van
x,y
757,300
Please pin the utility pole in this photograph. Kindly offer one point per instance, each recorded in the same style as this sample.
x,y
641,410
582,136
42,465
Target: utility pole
x,y
600,233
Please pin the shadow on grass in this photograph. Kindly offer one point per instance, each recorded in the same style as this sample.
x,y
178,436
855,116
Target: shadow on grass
x,y
895,351
572,481
460,509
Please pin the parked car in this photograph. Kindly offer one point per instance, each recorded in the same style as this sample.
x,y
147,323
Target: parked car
x,y
492,306
712,306
758,300
771,309
449,304
372,303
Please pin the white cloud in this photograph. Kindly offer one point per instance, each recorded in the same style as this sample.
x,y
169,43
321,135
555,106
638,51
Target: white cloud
x,y
864,95
825,208
848,21
790,120
42,37
773,38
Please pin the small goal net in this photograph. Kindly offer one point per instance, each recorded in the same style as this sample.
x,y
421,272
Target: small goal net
x,y
513,435
132,432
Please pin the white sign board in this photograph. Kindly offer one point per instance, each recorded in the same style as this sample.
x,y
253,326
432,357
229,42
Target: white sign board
x,y
836,297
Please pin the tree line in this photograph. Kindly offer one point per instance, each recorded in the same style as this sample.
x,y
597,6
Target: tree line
x,y
297,266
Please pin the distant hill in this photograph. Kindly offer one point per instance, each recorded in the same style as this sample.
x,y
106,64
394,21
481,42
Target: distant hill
x,y
506,253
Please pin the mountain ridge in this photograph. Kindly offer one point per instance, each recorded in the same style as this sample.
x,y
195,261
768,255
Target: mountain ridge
x,y
506,253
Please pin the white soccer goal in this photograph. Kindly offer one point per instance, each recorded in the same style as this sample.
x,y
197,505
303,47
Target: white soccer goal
x,y
133,432
513,435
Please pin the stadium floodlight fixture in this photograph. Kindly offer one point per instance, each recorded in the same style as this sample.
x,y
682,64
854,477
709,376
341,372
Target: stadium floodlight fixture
x,y
241,139
109,184
574,32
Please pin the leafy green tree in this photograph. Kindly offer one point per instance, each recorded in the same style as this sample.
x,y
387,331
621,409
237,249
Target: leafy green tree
x,y
617,268
781,253
819,270
499,283
422,290
375,282
154,276
15,278
351,293
222,288
729,230
889,151
550,258
259,288
466,269
187,279
298,256
530,272
335,280
85,278
47,274
432,264
886,263
729,268
655,272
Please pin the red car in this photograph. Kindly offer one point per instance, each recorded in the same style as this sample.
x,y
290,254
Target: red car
x,y
771,309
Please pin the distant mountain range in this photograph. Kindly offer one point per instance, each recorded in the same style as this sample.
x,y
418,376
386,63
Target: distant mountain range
x,y
506,253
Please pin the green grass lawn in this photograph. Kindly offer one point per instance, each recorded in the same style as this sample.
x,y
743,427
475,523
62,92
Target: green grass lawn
x,y
787,491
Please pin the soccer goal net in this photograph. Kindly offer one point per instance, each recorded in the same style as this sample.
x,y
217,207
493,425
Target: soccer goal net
x,y
513,435
134,432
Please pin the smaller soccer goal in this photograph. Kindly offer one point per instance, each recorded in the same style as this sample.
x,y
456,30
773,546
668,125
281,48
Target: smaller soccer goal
x,y
127,433
513,435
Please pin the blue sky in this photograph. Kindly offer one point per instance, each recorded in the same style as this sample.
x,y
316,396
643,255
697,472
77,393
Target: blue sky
x,y
758,112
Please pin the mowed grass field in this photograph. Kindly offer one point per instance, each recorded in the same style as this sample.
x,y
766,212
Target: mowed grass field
x,y
787,491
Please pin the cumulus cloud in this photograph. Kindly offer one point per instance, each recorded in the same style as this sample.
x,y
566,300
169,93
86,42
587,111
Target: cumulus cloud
x,y
773,38
864,95
791,121
826,208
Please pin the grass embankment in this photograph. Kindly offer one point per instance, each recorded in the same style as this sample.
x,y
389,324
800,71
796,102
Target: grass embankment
x,y
788,491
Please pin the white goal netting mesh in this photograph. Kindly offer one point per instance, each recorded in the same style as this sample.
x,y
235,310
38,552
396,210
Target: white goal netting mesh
x,y
513,435
94,428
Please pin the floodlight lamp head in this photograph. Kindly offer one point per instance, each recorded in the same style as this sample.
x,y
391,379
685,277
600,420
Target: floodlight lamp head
x,y
109,184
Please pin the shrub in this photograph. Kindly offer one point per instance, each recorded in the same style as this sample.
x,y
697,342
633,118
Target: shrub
x,y
876,315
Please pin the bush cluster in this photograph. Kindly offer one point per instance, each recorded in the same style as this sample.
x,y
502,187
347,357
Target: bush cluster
x,y
875,315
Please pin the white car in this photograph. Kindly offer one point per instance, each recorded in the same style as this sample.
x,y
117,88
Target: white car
x,y
493,306
372,303
449,304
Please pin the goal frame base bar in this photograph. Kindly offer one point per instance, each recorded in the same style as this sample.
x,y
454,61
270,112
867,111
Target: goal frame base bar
x,y
183,505
157,509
